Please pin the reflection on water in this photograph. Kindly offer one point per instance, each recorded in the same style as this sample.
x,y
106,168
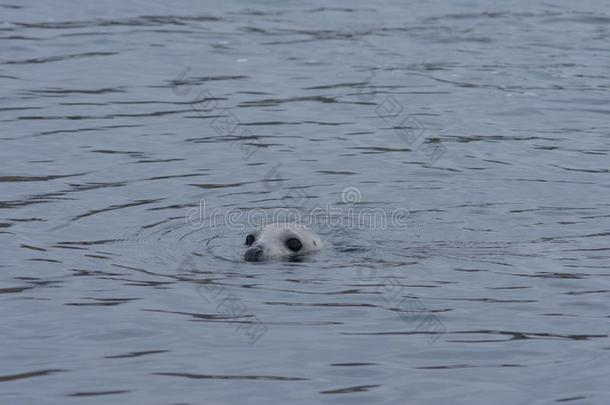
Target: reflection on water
x,y
486,125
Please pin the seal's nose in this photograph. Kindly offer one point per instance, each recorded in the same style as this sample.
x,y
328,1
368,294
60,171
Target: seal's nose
x,y
254,254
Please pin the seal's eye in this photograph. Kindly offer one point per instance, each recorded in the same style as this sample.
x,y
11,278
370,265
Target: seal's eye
x,y
249,240
294,244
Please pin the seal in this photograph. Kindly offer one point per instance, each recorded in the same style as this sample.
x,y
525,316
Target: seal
x,y
276,241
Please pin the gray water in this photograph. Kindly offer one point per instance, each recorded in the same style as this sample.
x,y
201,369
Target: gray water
x,y
131,129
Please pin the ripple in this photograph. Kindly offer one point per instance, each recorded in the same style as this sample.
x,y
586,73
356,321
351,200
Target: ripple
x,y
30,374
232,377
59,58
350,390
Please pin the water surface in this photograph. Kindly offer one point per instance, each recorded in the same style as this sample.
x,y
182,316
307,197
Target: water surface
x,y
488,123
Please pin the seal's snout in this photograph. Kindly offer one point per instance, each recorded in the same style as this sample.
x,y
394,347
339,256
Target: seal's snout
x,y
254,254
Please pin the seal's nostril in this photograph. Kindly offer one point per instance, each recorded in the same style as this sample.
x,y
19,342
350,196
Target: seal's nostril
x,y
253,254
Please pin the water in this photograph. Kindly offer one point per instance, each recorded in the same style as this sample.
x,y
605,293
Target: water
x,y
488,123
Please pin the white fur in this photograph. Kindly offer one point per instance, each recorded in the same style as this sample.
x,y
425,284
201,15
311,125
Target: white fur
x,y
271,240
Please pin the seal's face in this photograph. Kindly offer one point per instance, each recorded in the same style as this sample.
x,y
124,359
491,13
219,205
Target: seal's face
x,y
280,240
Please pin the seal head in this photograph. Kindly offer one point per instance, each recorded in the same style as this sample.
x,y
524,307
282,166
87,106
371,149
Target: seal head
x,y
280,241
